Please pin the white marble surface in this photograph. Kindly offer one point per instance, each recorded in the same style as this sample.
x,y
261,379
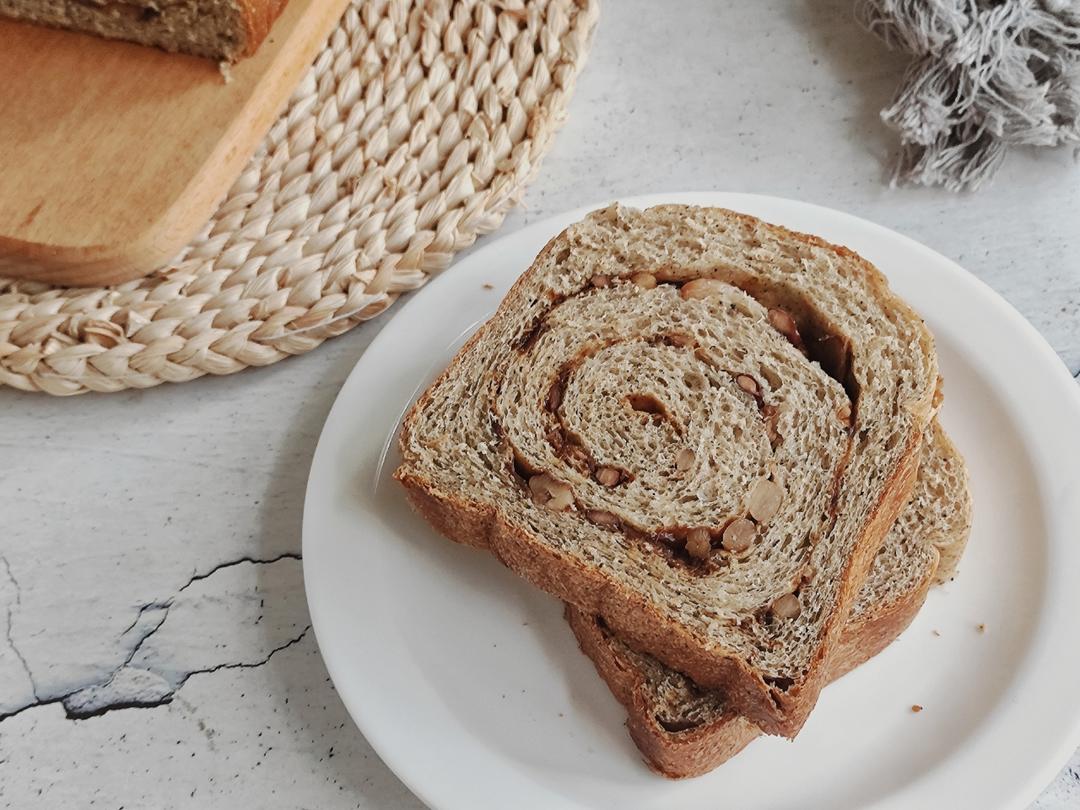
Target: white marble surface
x,y
155,647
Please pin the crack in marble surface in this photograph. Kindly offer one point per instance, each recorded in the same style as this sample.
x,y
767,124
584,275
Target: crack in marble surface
x,y
135,687
164,608
244,665
287,555
142,611
75,712
8,633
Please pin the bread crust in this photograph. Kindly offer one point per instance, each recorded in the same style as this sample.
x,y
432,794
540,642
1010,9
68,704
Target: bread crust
x,y
800,699
675,755
256,18
627,613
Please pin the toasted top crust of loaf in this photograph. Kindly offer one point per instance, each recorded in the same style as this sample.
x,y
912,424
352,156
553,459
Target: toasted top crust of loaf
x,y
709,465
257,18
684,730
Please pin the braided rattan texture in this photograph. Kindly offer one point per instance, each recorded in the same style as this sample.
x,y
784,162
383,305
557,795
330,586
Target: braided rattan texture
x,y
414,131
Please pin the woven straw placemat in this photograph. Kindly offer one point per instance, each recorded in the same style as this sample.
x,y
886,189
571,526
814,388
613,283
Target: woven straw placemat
x,y
414,131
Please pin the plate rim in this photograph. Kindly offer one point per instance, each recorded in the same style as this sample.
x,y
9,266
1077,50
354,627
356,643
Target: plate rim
x,y
551,225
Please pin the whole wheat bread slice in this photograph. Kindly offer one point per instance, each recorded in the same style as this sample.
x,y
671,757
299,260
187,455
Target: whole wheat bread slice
x,y
694,424
683,730
223,30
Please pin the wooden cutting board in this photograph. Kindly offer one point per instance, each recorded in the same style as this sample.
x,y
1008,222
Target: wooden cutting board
x,y
114,155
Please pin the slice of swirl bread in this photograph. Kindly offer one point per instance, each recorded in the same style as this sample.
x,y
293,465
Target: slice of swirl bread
x,y
694,424
683,730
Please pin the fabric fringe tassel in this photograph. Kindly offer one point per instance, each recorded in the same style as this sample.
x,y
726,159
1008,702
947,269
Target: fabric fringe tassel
x,y
987,75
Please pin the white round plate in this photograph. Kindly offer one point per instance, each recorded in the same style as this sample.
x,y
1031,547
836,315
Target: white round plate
x,y
470,686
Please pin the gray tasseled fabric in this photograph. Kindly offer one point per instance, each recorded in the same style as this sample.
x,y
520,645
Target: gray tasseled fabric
x,y
987,74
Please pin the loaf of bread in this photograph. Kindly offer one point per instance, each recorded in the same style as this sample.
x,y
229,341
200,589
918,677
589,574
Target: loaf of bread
x,y
224,30
683,730
695,425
